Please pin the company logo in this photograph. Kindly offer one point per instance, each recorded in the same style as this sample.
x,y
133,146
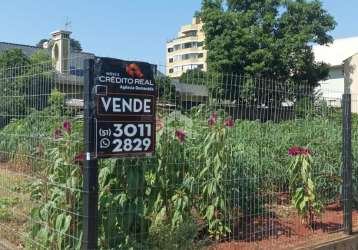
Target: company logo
x,y
134,71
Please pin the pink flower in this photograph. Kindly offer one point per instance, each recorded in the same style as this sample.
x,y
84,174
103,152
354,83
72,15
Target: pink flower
x,y
212,119
57,134
294,151
229,123
67,127
180,134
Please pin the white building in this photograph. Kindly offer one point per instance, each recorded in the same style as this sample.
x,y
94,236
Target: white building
x,y
336,55
186,51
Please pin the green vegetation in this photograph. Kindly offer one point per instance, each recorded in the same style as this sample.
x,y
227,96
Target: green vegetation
x,y
266,39
303,186
206,174
25,83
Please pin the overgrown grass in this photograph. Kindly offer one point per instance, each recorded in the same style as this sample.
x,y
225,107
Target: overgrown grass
x,y
15,205
154,200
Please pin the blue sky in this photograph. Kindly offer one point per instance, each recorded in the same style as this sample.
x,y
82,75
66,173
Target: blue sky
x,y
127,29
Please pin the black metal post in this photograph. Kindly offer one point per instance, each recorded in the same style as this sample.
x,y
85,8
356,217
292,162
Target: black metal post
x,y
90,181
347,165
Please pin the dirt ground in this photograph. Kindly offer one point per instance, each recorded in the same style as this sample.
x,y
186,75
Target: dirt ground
x,y
15,206
282,228
285,230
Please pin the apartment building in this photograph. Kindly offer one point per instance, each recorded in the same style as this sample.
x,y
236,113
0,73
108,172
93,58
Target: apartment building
x,y
186,51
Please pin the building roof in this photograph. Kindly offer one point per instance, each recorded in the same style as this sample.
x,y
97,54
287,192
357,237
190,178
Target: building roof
x,y
335,53
76,60
27,49
356,54
190,89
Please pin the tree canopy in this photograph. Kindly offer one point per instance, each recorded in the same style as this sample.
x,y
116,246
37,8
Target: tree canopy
x,y
25,83
267,38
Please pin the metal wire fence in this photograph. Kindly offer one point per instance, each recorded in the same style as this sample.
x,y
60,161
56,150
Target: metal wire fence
x,y
40,142
222,176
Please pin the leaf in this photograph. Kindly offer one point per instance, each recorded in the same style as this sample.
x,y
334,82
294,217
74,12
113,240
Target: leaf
x,y
209,212
67,223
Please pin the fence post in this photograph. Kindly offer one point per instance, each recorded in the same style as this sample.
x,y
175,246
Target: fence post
x,y
90,181
347,165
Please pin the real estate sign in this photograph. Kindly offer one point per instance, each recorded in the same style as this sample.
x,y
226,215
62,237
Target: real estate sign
x,y
125,99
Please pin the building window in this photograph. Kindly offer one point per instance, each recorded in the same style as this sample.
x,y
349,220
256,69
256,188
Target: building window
x,y
200,66
170,60
185,56
177,58
171,71
191,33
190,45
177,69
187,67
187,45
170,50
56,52
192,56
200,44
177,47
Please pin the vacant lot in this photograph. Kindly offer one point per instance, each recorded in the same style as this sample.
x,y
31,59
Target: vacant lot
x,y
15,204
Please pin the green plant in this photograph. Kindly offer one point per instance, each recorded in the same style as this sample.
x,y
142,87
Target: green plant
x,y
216,157
207,172
302,185
163,237
6,205
59,193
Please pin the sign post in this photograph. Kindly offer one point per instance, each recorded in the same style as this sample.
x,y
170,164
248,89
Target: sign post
x,y
90,179
119,114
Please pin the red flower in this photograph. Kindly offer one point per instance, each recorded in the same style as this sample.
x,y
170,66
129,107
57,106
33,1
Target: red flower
x,y
180,134
57,134
229,123
294,151
79,158
67,127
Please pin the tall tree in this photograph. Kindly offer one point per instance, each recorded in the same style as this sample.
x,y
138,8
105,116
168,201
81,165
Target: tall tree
x,y
267,38
40,44
75,45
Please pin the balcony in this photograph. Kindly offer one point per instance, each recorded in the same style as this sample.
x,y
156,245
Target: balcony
x,y
190,27
180,38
